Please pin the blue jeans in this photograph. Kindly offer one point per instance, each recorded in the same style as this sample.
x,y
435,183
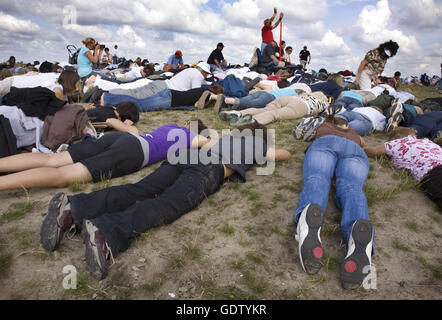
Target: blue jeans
x,y
348,103
333,156
215,67
159,101
257,99
428,124
357,121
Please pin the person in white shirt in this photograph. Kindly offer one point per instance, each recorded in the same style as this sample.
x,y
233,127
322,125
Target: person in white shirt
x,y
364,120
286,57
115,55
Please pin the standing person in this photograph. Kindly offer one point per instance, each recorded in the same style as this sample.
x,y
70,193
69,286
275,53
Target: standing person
x,y
304,57
115,55
86,58
336,153
216,59
372,66
266,31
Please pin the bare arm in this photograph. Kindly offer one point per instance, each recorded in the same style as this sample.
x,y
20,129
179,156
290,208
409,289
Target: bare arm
x,y
360,69
375,151
121,126
96,56
59,94
279,21
277,154
199,141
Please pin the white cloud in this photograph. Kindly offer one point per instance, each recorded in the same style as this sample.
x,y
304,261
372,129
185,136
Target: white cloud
x,y
128,37
12,24
422,15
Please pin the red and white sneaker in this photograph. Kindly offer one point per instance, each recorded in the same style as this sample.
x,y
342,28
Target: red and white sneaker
x,y
308,235
357,264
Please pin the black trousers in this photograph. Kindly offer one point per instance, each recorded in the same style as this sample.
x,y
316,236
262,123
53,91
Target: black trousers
x,y
431,184
122,213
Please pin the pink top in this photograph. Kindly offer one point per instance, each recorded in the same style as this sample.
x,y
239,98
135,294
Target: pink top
x,y
420,156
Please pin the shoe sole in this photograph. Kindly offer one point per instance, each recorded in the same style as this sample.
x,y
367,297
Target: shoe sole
x,y
352,268
95,261
227,116
300,130
396,108
310,251
50,230
203,100
242,120
218,104
393,122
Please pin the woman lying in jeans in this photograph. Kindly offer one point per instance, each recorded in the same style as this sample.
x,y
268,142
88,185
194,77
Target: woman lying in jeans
x,y
336,153
167,99
111,219
113,155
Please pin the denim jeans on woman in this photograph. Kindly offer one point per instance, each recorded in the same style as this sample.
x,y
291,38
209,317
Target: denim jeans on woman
x,y
357,121
348,103
257,99
333,156
159,101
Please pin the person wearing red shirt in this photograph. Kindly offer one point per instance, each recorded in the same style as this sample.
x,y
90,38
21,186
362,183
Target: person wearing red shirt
x,y
266,31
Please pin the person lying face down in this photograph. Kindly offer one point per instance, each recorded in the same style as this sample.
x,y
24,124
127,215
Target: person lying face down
x,y
421,156
113,155
336,153
112,218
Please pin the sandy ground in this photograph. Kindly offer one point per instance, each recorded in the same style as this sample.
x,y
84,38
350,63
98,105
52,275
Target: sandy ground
x,y
239,243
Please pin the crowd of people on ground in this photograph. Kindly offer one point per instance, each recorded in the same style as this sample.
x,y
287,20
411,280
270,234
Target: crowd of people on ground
x,y
82,125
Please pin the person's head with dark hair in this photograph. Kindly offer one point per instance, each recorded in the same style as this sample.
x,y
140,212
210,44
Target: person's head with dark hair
x,y
397,74
216,89
401,132
283,84
128,111
289,50
148,70
116,47
200,125
337,121
254,126
106,50
11,62
388,49
69,80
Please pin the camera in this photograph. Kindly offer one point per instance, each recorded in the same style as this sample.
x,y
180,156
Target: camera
x,y
102,46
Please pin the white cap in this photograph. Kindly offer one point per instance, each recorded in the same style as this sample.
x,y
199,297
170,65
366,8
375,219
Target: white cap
x,y
204,66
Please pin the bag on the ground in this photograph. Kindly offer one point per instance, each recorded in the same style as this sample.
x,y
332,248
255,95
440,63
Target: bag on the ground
x,y
306,129
8,141
234,87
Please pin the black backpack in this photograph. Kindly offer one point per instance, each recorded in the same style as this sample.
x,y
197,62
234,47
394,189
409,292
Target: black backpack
x,y
73,53
8,141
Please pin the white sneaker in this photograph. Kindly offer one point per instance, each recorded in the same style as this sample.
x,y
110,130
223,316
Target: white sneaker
x,y
357,264
308,235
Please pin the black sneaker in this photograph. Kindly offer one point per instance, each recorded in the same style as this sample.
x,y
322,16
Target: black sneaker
x,y
228,115
308,236
56,223
97,251
239,121
357,264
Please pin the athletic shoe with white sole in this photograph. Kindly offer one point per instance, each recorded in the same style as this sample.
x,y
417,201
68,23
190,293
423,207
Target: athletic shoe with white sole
x,y
57,222
97,252
357,264
245,119
228,115
396,107
308,237
393,122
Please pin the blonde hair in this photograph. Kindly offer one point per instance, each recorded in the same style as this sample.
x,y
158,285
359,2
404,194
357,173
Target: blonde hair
x,y
88,41
335,77
401,132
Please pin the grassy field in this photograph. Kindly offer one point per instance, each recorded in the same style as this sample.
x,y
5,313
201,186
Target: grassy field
x,y
239,243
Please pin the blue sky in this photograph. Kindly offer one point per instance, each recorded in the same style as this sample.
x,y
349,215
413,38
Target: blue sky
x,y
337,32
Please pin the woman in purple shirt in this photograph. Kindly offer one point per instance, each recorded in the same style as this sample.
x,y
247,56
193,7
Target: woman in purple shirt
x,y
113,155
